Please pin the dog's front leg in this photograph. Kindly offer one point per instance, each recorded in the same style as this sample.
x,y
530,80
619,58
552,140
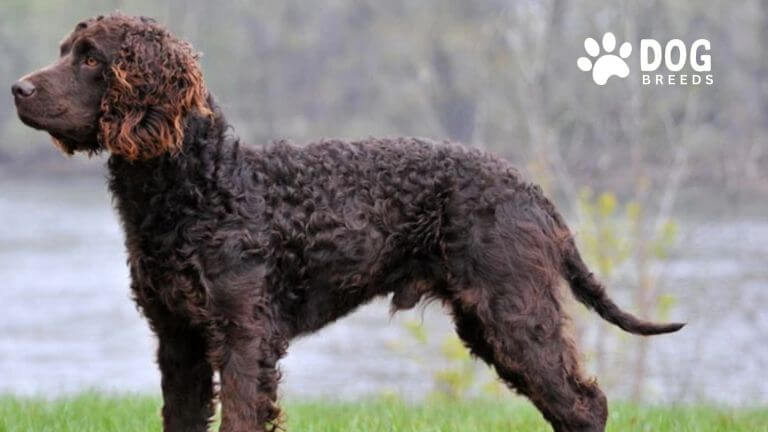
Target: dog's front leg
x,y
249,378
187,378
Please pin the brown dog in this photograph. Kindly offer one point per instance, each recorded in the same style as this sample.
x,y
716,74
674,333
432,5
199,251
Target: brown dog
x,y
233,251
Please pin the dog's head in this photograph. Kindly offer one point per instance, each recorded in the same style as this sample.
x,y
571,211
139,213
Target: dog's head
x,y
121,83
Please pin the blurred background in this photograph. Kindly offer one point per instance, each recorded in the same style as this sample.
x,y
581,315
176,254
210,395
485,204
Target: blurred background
x,y
665,186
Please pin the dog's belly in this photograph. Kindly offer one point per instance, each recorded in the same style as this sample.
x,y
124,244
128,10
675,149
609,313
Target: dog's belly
x,y
332,292
325,307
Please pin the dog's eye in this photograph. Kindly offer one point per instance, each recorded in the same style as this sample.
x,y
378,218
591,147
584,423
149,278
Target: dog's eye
x,y
91,61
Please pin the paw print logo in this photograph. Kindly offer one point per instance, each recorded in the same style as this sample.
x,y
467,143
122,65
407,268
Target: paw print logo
x,y
606,65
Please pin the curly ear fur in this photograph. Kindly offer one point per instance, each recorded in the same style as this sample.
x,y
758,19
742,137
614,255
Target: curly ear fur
x,y
152,84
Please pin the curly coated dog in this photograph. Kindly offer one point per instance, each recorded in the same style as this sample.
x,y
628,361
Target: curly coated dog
x,y
234,251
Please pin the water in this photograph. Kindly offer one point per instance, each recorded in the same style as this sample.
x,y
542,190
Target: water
x,y
68,324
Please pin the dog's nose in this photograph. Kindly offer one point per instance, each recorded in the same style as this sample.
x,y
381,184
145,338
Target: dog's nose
x,y
23,89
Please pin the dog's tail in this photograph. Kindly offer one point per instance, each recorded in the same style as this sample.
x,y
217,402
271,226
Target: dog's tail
x,y
588,290
591,292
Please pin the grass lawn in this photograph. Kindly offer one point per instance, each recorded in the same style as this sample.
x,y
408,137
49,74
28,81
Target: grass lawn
x,y
104,413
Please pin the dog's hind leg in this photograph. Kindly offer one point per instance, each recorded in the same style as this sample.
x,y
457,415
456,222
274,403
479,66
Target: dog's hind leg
x,y
507,311
525,344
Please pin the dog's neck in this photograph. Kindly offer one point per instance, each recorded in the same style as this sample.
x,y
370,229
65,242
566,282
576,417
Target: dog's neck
x,y
136,184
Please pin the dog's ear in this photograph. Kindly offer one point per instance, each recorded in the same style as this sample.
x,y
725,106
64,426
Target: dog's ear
x,y
151,85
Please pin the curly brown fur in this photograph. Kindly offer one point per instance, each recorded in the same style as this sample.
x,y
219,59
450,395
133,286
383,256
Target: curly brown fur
x,y
233,252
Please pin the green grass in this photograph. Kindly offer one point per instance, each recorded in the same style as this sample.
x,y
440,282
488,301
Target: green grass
x,y
102,413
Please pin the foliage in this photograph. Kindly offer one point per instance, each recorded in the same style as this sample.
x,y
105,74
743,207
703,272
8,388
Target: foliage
x,y
606,232
457,375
